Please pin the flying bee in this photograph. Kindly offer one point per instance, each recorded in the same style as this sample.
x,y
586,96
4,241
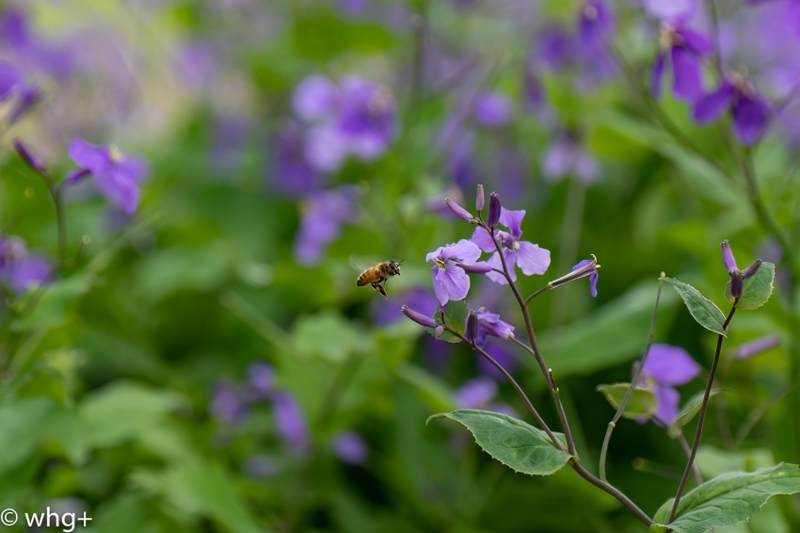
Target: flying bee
x,y
378,275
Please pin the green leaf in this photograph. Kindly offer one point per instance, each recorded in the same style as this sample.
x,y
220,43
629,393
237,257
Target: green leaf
x,y
642,402
455,316
55,303
756,289
702,309
435,392
690,409
728,499
516,444
330,336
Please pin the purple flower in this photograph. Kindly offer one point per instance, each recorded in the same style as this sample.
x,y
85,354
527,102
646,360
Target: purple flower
x,y
290,423
421,319
757,346
505,358
323,215
33,54
228,402
530,257
566,156
554,48
290,172
665,367
490,324
670,10
476,393
684,49
751,112
586,267
450,281
10,78
350,447
357,118
418,299
261,378
117,175
492,109
594,22
21,270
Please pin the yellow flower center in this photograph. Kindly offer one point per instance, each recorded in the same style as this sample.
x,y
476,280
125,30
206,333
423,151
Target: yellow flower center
x,y
115,154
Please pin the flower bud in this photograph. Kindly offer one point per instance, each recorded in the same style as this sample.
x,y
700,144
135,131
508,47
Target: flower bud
x,y
479,198
76,175
494,210
737,284
481,267
472,326
459,211
752,269
757,346
29,157
419,318
727,257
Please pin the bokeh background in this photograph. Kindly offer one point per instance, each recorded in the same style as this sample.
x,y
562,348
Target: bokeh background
x,y
205,362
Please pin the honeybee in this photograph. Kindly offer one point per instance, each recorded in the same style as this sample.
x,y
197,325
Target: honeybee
x,y
378,275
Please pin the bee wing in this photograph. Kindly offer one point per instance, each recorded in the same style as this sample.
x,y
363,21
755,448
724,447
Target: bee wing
x,y
362,263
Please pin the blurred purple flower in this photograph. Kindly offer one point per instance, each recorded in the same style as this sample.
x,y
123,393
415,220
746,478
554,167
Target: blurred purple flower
x,y
289,170
357,118
261,378
684,49
450,281
505,358
595,21
117,175
228,402
533,93
671,10
530,257
554,48
33,54
566,156
198,64
475,394
492,109
10,78
290,423
323,215
751,112
665,367
757,346
350,447
21,270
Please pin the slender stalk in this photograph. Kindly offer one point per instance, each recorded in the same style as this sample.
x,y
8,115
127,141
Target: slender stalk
x,y
537,354
613,491
634,380
701,417
525,399
688,451
537,293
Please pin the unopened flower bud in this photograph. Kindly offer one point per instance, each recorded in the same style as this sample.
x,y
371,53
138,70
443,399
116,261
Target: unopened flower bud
x,y
757,346
727,257
479,198
494,210
737,284
29,157
76,175
472,326
459,211
752,269
481,267
419,318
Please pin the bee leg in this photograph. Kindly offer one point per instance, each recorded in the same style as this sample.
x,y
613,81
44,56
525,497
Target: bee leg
x,y
378,286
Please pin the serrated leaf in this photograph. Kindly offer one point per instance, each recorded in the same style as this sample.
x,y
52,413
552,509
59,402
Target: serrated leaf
x,y
642,402
701,308
756,289
516,444
690,409
455,316
728,499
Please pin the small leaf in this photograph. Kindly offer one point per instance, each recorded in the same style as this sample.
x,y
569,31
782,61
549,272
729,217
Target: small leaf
x,y
690,409
728,499
642,403
702,309
516,444
455,316
756,290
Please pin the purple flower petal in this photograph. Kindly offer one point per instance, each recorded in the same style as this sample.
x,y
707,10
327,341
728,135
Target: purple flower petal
x,y
290,423
350,447
450,283
532,259
482,238
475,394
325,148
496,277
711,106
513,221
492,109
668,399
86,154
750,118
670,365
694,41
671,10
315,98
28,272
464,251
687,81
656,75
